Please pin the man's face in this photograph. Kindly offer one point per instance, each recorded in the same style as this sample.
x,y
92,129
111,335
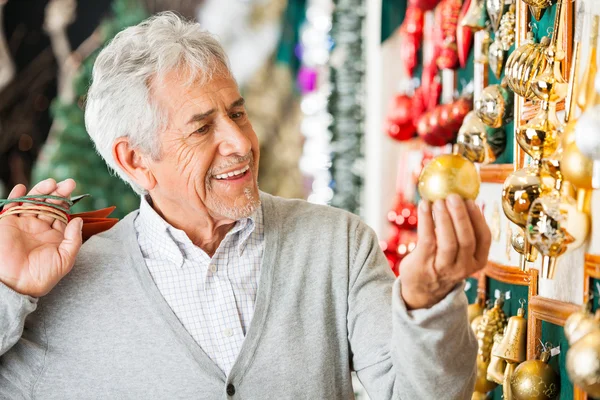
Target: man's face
x,y
209,151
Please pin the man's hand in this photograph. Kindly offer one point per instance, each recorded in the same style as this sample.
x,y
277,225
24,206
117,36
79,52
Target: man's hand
x,y
453,244
36,252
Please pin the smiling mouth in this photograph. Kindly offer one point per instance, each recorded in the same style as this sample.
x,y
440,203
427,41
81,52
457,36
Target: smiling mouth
x,y
233,174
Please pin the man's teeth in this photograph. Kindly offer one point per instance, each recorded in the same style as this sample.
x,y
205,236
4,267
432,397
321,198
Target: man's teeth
x,y
233,173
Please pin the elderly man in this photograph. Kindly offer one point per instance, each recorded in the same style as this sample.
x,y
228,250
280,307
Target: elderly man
x,y
213,290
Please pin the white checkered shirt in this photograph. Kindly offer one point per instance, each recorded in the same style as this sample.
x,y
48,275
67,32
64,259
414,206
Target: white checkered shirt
x,y
213,298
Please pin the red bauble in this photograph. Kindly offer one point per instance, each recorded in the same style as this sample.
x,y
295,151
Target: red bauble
x,y
424,5
404,215
464,37
399,124
459,110
428,130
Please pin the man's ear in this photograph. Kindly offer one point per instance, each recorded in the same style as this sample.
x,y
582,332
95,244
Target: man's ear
x,y
134,163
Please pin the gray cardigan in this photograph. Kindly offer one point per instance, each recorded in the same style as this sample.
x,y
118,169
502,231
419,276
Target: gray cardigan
x,y
327,304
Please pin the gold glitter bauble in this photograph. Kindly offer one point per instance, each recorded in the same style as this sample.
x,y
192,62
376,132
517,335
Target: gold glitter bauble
x,y
446,174
535,380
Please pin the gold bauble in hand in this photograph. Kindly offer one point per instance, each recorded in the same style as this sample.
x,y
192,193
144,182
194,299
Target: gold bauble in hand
x,y
535,380
446,174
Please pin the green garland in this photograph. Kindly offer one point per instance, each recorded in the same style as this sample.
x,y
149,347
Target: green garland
x,y
70,153
346,104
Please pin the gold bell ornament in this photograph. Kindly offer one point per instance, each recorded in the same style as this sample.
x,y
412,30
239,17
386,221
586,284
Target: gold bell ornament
x,y
495,371
524,64
446,174
583,358
478,142
513,347
576,167
535,380
476,16
495,106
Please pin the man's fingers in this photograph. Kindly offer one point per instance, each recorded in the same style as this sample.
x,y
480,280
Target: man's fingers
x,y
446,241
50,187
71,244
425,229
482,234
462,229
18,191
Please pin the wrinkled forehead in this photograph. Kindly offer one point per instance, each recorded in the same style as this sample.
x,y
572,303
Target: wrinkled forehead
x,y
180,92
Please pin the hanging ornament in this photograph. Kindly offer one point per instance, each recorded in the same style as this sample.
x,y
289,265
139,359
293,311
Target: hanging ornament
x,y
524,64
448,56
477,320
411,37
495,10
399,122
495,106
507,28
449,173
513,347
404,215
476,309
554,225
583,358
478,142
496,57
535,380
476,16
424,5
464,37
538,7
521,188
539,137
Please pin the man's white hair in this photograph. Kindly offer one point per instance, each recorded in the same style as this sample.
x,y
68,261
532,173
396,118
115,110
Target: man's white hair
x,y
119,101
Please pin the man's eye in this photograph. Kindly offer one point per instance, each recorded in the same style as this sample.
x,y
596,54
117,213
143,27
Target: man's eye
x,y
237,115
202,129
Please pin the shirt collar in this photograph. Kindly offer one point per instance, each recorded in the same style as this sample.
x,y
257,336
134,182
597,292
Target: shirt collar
x,y
179,244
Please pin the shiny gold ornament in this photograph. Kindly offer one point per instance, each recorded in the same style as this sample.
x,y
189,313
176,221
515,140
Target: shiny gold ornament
x,y
478,142
446,174
539,137
495,10
495,371
519,191
476,321
578,169
537,7
535,380
514,343
476,16
527,252
554,226
550,85
524,65
583,358
482,384
486,41
495,106
496,57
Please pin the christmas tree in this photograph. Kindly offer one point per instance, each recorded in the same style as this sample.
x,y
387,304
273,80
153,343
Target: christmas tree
x,y
69,151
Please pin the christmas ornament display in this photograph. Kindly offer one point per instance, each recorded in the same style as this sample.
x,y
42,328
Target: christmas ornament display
x,y
535,380
583,358
478,142
446,174
411,37
495,106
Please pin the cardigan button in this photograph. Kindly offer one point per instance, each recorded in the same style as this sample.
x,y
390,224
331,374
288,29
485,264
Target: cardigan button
x,y
230,390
